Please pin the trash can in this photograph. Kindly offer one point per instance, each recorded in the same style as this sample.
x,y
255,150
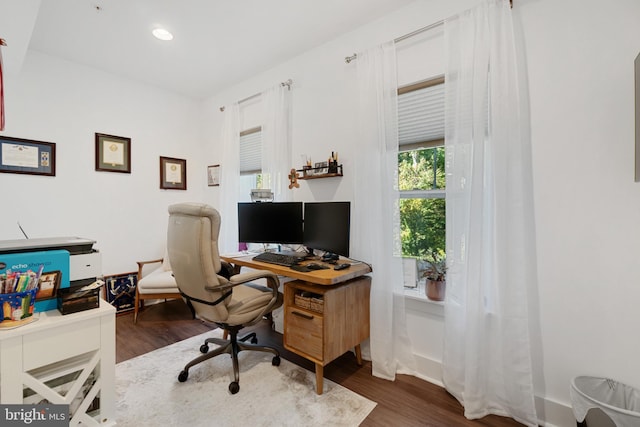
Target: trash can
x,y
618,401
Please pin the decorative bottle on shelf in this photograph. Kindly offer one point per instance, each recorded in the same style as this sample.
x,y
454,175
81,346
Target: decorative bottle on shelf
x,y
333,163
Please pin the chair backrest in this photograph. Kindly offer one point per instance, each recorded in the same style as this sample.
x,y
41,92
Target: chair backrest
x,y
192,244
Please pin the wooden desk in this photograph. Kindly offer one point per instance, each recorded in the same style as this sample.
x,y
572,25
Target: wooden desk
x,y
322,332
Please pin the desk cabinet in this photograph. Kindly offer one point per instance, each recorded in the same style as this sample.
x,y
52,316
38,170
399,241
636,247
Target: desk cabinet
x,y
64,359
343,323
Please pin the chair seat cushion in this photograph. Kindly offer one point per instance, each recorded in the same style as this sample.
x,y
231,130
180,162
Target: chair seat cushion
x,y
247,301
158,281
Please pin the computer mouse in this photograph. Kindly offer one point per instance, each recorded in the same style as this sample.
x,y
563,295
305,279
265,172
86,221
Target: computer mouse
x,y
341,266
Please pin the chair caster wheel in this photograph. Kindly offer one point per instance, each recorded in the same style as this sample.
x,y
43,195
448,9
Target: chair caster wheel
x,y
254,340
275,361
183,375
204,348
234,387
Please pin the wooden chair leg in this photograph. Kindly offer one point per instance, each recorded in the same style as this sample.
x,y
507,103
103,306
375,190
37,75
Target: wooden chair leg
x,y
136,307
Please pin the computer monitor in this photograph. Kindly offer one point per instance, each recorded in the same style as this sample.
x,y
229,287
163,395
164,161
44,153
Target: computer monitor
x,y
270,222
326,226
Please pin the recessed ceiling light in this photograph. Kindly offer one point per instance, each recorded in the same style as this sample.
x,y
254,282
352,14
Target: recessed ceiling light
x,y
162,34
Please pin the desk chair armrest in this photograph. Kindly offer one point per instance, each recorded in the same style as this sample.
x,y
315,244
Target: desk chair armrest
x,y
272,278
141,265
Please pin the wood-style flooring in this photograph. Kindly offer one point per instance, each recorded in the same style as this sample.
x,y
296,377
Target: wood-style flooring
x,y
407,401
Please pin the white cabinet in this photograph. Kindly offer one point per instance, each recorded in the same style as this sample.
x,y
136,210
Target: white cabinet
x,y
64,359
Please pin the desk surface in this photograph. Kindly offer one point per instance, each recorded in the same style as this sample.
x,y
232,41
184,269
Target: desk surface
x,y
326,277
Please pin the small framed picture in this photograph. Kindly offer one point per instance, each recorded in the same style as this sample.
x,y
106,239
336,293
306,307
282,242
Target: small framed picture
x,y
173,173
120,290
113,153
213,175
321,167
48,285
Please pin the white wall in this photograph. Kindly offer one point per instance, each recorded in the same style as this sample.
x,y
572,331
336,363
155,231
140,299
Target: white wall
x,y
580,61
57,101
580,56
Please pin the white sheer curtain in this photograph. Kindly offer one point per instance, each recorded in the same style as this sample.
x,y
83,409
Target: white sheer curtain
x,y
276,141
487,362
375,229
229,179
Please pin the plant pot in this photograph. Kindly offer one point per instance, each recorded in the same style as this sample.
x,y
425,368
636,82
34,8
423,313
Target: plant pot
x,y
436,289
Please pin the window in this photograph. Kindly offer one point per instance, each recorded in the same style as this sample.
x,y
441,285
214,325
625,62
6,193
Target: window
x,y
421,168
250,162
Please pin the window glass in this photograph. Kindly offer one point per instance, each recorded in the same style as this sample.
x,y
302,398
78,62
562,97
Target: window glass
x,y
250,162
421,174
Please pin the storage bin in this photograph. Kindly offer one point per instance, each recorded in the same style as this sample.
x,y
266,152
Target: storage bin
x,y
73,300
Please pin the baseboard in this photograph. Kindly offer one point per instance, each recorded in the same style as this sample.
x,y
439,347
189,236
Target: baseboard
x,y
550,412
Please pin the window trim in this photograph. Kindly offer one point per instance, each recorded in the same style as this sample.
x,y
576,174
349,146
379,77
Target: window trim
x,y
422,84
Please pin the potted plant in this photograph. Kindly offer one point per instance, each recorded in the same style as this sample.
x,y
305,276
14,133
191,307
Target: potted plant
x,y
435,271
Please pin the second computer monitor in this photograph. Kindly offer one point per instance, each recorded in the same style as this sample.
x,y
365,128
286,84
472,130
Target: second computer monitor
x,y
326,226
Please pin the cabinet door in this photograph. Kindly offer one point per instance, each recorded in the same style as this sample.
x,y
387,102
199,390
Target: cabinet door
x,y
304,332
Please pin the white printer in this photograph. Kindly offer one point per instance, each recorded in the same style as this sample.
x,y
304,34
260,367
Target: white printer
x,y
85,262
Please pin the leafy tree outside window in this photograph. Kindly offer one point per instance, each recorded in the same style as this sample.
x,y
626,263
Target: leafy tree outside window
x,y
421,175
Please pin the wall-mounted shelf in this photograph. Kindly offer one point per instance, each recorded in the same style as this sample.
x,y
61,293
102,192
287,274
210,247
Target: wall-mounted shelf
x,y
321,172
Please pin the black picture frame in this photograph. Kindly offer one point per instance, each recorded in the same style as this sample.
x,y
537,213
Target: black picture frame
x,y
173,173
113,153
120,290
27,156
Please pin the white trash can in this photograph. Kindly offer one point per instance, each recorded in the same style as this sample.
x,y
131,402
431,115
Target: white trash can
x,y
617,400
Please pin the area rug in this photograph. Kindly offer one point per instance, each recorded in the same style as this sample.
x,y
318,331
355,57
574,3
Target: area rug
x,y
149,394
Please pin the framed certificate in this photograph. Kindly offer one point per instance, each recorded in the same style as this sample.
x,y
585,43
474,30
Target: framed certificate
x,y
27,156
113,153
173,173
213,175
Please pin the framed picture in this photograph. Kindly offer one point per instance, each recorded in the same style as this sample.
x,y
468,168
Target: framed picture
x,y
120,290
213,175
113,153
173,173
321,167
48,285
27,156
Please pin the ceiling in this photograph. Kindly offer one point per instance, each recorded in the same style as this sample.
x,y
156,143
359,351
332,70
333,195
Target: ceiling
x,y
217,43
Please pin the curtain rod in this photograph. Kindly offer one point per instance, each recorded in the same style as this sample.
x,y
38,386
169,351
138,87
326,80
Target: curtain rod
x,y
348,59
286,83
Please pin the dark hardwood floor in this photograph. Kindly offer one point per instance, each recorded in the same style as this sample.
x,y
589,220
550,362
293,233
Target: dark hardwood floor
x,y
407,401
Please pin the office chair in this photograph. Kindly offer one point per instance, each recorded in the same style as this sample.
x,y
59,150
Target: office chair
x,y
232,304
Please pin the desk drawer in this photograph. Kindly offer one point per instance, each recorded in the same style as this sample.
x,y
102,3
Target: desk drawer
x,y
304,332
45,347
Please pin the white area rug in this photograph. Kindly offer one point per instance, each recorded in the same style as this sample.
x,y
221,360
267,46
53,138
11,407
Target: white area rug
x,y
149,394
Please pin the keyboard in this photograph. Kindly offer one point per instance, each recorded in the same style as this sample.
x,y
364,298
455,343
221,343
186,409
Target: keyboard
x,y
278,258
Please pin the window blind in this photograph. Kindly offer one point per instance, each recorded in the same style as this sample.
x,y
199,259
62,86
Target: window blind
x,y
251,151
421,118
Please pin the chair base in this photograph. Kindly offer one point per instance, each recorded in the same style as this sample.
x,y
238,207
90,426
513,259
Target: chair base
x,y
232,347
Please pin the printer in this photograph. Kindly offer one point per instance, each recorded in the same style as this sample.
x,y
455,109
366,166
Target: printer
x,y
85,262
